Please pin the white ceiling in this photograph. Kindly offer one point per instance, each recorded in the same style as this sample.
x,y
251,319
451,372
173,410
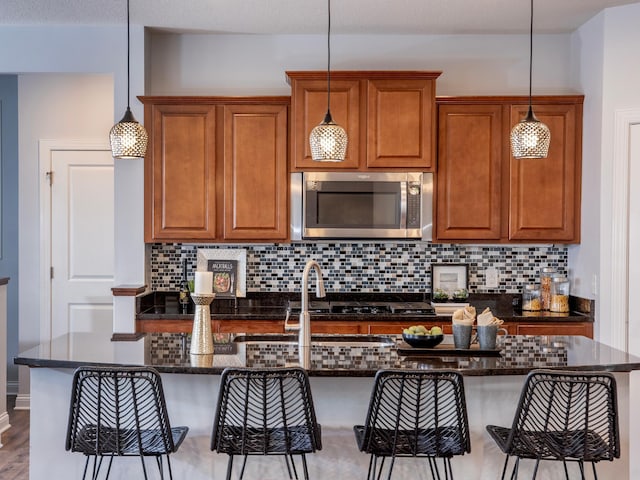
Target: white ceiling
x,y
310,16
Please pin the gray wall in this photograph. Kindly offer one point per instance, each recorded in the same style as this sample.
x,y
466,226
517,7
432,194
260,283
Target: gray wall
x,y
9,221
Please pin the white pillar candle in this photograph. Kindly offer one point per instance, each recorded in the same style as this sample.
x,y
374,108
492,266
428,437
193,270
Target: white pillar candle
x,y
204,282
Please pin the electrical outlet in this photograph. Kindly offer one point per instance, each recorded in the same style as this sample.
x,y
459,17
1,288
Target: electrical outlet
x,y
491,278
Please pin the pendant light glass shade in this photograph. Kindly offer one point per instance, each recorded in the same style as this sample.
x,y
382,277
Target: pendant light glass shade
x,y
328,141
128,138
530,138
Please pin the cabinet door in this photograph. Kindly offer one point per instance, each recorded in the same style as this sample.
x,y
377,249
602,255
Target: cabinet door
x,y
180,174
400,120
381,328
335,327
469,194
255,172
309,106
584,329
250,326
545,192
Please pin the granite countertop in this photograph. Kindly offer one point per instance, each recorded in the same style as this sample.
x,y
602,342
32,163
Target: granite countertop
x,y
358,356
273,306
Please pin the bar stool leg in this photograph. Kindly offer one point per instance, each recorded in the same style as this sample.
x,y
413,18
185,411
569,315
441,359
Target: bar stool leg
x,y
433,472
504,469
448,469
229,467
304,466
535,469
369,477
288,458
381,467
393,461
144,468
244,464
159,465
514,472
169,465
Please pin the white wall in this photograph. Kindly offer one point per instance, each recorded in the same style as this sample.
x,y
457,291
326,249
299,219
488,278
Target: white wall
x,y
66,112
52,106
621,74
255,64
608,74
588,57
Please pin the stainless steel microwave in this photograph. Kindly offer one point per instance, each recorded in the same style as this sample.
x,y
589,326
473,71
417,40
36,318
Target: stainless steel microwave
x,y
361,205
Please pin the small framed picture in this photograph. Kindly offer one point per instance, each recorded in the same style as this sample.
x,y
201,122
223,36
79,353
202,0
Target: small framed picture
x,y
449,277
229,270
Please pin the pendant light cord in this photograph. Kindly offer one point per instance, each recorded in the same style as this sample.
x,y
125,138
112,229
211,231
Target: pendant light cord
x,y
530,53
329,57
128,60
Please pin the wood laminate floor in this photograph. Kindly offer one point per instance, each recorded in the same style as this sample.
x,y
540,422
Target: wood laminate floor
x,y
14,455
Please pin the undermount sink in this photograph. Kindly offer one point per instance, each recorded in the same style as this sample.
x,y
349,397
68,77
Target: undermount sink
x,y
375,341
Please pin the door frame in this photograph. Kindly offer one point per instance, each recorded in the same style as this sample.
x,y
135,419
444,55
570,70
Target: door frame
x,y
617,270
46,148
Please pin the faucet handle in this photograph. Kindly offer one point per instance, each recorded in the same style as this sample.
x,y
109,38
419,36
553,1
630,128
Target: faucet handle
x,y
290,326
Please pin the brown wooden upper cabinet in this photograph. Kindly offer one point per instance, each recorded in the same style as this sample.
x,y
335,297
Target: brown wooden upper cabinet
x,y
389,117
483,194
216,169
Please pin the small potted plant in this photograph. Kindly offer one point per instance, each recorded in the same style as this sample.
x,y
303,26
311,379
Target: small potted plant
x,y
440,295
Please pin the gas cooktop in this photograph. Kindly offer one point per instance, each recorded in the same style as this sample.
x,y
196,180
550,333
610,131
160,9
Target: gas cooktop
x,y
365,308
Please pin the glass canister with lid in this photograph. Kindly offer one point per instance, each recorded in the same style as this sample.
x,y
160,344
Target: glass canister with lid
x,y
559,295
531,298
546,275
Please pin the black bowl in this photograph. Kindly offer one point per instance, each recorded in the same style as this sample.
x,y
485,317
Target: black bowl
x,y
423,341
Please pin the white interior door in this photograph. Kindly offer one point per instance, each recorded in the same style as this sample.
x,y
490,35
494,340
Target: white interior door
x,y
82,241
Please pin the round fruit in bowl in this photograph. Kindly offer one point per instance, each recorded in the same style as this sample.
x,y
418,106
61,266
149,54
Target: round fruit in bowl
x,y
422,337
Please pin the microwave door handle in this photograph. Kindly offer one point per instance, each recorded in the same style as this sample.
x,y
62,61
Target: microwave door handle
x,y
403,205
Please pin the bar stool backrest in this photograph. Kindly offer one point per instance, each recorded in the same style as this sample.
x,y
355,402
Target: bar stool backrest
x,y
574,415
265,411
118,411
417,413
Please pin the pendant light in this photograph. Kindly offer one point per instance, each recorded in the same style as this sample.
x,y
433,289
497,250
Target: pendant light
x,y
128,137
328,140
530,137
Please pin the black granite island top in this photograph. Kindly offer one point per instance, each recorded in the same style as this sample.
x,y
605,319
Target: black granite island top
x,y
332,355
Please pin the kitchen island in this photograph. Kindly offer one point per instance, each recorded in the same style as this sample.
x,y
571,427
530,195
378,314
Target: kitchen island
x,y
341,380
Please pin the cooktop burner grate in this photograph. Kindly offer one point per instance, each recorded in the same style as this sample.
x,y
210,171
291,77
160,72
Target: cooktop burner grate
x,y
365,308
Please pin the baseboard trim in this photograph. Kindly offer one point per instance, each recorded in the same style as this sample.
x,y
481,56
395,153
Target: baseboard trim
x,y
23,402
4,424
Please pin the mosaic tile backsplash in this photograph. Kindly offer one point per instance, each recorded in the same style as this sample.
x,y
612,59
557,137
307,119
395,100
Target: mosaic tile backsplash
x,y
364,267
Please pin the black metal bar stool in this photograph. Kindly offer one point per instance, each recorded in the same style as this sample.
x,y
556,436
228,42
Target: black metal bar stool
x,y
415,414
265,412
120,412
563,416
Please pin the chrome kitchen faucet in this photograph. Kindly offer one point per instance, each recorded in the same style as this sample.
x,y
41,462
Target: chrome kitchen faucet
x,y
304,324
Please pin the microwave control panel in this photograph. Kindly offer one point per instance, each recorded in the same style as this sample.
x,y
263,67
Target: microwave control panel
x,y
413,205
